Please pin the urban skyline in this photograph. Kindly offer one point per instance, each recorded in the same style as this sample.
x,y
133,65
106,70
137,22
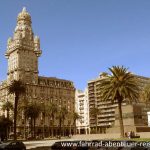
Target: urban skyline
x,y
109,105
81,39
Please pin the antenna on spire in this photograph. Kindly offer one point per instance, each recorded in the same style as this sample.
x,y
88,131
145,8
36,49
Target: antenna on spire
x,y
24,9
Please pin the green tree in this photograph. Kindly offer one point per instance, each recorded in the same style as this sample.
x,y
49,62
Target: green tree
x,y
61,115
44,114
7,106
17,88
118,86
145,94
32,111
22,116
5,123
51,112
76,116
95,112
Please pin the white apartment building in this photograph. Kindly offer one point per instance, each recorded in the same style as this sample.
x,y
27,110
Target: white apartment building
x,y
82,108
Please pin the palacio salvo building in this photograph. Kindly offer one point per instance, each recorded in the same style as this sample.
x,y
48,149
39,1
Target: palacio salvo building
x,y
23,51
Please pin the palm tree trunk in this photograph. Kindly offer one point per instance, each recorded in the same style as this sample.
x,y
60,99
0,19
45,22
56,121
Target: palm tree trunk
x,y
15,116
75,130
8,114
49,127
63,129
60,127
24,128
34,122
31,127
96,124
121,120
8,126
52,126
70,128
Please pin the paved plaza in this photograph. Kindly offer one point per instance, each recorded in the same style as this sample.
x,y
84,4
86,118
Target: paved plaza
x,y
49,143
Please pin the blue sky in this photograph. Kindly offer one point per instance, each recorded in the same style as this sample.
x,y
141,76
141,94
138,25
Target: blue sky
x,y
81,38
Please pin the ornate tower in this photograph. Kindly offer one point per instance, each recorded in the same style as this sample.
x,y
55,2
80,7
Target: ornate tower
x,y
23,50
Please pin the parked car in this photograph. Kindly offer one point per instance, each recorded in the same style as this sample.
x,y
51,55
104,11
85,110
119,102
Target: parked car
x,y
12,145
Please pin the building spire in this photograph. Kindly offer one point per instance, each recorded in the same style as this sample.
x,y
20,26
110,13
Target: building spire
x,y
24,9
24,15
23,36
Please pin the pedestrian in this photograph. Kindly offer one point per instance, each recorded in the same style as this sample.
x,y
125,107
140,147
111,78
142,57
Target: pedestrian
x,y
126,134
129,135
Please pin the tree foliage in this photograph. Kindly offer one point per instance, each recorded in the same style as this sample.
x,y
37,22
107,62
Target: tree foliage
x,y
17,88
7,106
95,112
145,94
32,110
120,85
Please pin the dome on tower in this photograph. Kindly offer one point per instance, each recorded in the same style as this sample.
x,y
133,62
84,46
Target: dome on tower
x,y
24,15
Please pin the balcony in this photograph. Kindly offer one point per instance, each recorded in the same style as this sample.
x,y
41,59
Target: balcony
x,y
92,103
90,85
91,94
81,108
81,113
91,106
81,104
106,115
106,119
108,110
104,124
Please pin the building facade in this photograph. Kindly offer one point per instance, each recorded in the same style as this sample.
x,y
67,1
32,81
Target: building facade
x,y
108,116
82,108
23,51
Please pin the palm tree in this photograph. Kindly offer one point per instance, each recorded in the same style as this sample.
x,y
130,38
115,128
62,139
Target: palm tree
x,y
5,123
7,106
51,111
16,88
32,111
118,86
76,116
61,115
44,114
145,94
22,116
95,112
64,113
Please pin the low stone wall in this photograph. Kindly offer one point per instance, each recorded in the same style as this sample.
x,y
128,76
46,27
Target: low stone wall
x,y
96,136
136,129
144,134
106,136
